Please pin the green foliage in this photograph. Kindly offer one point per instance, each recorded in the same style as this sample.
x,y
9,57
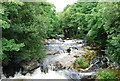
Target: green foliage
x,y
112,28
113,48
25,26
82,62
105,74
116,71
110,16
10,45
74,21
4,24
96,22
107,29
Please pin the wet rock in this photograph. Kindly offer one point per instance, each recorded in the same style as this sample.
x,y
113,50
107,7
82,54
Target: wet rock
x,y
45,70
74,48
51,40
67,38
96,58
68,50
60,36
24,72
79,69
76,56
76,65
53,53
61,40
79,42
29,66
82,70
94,68
88,47
58,65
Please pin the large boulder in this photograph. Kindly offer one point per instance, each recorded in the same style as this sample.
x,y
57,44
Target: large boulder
x,y
29,65
58,66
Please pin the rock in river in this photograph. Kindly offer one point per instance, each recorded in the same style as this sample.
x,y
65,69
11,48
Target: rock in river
x,y
53,53
29,66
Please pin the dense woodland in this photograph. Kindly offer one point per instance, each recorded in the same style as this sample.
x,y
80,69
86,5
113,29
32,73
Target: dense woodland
x,y
25,26
97,22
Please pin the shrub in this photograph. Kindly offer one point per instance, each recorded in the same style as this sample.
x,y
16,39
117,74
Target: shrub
x,y
105,74
82,62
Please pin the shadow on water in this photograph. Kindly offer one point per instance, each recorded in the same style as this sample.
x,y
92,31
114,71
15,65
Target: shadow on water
x,y
11,69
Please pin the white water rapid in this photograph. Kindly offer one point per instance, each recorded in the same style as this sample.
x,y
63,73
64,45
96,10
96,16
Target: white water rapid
x,y
63,56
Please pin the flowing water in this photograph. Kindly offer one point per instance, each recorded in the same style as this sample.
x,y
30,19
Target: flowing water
x,y
61,54
65,52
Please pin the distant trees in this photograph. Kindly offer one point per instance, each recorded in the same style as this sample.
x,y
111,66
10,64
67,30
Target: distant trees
x,y
74,20
25,26
96,22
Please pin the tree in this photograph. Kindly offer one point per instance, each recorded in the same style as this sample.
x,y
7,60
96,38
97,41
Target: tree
x,y
74,20
97,22
8,45
25,26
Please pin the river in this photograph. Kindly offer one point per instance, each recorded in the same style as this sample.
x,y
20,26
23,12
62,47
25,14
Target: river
x,y
60,57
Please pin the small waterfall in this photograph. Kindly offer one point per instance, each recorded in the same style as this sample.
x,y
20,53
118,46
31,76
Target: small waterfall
x,y
39,75
62,51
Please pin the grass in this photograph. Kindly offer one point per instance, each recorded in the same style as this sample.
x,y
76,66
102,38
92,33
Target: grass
x,y
82,63
105,74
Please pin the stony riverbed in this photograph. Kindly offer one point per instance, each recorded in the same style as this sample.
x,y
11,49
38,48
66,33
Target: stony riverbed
x,y
60,60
